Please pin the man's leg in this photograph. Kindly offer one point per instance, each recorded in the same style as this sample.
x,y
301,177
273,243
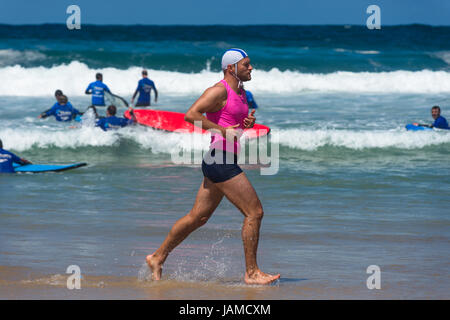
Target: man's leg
x,y
241,193
207,200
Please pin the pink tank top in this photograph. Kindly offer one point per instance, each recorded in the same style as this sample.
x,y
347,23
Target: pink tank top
x,y
234,112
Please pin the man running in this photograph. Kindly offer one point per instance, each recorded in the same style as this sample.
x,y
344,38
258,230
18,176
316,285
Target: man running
x,y
226,111
97,89
113,122
145,87
62,110
7,159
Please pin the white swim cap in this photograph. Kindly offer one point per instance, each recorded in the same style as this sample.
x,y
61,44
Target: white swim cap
x,y
232,56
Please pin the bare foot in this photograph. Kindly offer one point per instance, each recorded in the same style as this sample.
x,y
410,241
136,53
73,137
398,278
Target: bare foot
x,y
155,266
259,277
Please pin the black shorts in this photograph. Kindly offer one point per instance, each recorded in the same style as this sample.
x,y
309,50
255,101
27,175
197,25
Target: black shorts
x,y
220,170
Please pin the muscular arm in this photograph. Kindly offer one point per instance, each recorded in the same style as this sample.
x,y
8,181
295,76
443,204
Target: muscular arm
x,y
212,100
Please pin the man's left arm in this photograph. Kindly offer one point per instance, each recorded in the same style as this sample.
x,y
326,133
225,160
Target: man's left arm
x,y
156,92
250,120
89,89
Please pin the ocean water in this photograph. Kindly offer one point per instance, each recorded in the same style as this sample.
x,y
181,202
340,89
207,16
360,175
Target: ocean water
x,y
353,189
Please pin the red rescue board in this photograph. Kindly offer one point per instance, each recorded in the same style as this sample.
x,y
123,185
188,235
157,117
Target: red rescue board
x,y
174,121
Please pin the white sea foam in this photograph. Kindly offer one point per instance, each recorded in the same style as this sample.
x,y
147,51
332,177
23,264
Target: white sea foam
x,y
9,56
313,139
21,139
74,78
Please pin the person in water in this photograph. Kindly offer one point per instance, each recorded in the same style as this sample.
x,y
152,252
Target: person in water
x,y
97,89
145,86
8,158
112,122
58,93
226,111
250,100
62,110
439,121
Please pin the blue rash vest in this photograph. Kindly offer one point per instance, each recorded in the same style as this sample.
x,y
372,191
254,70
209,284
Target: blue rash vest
x,y
6,161
145,87
441,123
64,112
98,92
113,122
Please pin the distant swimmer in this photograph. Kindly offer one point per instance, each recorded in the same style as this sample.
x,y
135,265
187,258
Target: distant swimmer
x,y
97,89
58,93
62,110
439,121
112,122
144,88
7,159
250,100
226,111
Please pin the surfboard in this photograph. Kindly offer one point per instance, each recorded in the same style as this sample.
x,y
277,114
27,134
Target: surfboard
x,y
46,167
174,121
411,127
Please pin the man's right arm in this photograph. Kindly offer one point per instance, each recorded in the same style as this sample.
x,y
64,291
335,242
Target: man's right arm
x,y
424,125
44,114
212,100
88,90
135,93
18,160
48,113
25,161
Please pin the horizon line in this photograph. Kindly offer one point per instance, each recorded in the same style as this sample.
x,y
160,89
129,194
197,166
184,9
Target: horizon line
x,y
220,25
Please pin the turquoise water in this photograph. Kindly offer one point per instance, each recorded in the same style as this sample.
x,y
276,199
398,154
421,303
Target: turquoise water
x,y
353,189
